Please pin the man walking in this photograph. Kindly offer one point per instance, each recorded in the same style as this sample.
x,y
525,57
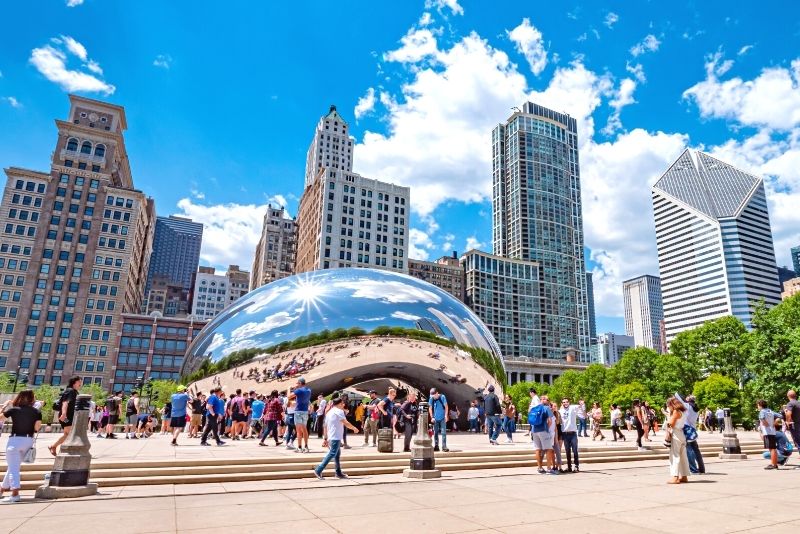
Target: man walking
x,y
582,419
792,414
197,416
302,396
493,410
439,414
569,428
180,401
216,412
335,421
132,416
257,406
541,419
114,405
273,415
720,419
371,421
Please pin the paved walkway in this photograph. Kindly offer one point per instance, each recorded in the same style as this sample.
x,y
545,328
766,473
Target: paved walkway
x,y
733,497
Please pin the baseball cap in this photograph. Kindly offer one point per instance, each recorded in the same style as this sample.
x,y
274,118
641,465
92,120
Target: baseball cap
x,y
301,380
373,391
491,388
180,388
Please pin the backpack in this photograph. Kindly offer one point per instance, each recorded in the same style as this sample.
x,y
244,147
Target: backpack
x,y
57,403
537,418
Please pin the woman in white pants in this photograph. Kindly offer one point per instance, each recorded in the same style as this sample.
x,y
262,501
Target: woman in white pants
x,y
678,460
25,423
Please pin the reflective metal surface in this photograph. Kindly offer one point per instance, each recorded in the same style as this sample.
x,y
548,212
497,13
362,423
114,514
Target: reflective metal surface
x,y
309,303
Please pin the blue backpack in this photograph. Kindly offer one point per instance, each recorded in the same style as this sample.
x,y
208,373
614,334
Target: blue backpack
x,y
537,418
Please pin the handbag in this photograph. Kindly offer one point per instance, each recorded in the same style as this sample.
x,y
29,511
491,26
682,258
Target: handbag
x,y
30,454
690,432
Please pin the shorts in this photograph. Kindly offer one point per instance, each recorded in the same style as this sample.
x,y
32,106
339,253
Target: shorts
x,y
770,443
178,421
113,419
239,418
300,418
542,441
197,419
133,419
66,423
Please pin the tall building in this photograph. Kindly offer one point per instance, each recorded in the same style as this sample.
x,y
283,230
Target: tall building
x,y
446,273
275,253
784,275
790,288
714,241
590,303
644,310
610,348
151,347
165,297
74,252
796,258
176,250
345,219
537,216
213,292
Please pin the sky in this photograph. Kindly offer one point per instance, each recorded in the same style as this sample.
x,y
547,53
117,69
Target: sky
x,y
222,99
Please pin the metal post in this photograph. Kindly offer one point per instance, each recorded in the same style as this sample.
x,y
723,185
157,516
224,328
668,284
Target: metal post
x,y
423,463
731,450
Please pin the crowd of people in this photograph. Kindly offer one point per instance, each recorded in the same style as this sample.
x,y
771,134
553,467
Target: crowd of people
x,y
287,418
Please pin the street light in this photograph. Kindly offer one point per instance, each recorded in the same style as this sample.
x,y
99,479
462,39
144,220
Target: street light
x,y
17,378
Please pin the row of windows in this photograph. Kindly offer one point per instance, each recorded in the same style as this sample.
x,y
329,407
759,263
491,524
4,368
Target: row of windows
x,y
117,215
55,300
30,231
111,243
51,316
97,274
98,319
80,180
61,270
86,147
58,285
95,335
63,255
67,237
15,249
159,360
103,290
29,186
61,348
26,200
47,331
108,260
13,265
100,304
115,228
119,202
81,166
93,350
90,366
23,215
58,206
71,222
10,280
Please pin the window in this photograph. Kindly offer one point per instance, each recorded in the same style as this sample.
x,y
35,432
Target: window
x,y
86,147
100,151
72,144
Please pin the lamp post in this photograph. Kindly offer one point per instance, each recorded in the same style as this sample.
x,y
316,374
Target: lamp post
x,y
16,379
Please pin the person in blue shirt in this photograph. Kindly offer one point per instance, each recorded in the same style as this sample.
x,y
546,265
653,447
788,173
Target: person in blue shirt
x,y
215,412
256,411
178,415
439,414
302,395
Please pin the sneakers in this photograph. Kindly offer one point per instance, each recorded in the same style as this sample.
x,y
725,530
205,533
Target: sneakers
x,y
174,443
289,446
640,449
492,442
577,470
205,444
318,475
541,471
436,448
305,449
342,476
553,471
770,467
445,449
11,499
346,446
507,441
262,444
220,443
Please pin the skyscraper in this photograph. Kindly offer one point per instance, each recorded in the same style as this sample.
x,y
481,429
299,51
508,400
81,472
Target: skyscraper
x,y
345,219
590,300
446,273
796,259
537,216
610,347
74,251
213,292
176,250
644,310
275,253
714,241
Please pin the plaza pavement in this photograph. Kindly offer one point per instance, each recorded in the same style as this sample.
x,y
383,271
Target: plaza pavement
x,y
735,496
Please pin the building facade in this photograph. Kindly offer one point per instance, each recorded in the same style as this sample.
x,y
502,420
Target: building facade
x,y
176,250
790,288
151,347
74,251
213,292
446,273
590,304
610,347
714,241
537,216
275,253
165,297
644,311
345,219
795,251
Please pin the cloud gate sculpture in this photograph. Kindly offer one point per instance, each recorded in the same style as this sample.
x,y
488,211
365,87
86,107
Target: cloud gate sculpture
x,y
344,327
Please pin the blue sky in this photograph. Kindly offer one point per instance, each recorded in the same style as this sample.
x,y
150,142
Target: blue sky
x,y
222,99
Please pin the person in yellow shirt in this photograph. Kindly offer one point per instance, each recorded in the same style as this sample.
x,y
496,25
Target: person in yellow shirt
x,y
359,415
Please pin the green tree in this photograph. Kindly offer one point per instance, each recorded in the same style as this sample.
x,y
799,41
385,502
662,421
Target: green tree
x,y
98,393
624,394
162,391
48,395
719,346
6,382
520,395
636,365
672,374
718,391
567,385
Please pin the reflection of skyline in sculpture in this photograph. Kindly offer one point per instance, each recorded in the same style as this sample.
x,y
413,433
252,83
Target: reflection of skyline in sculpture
x,y
337,299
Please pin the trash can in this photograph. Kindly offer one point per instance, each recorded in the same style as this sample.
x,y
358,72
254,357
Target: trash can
x,y
385,440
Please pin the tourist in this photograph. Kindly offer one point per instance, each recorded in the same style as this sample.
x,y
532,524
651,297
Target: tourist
x,y
709,420
437,411
678,460
616,422
386,409
782,445
25,424
569,433
720,414
597,421
454,415
131,415
638,423
103,421
472,417
766,421
582,419
371,419
273,414
196,421
97,416
256,413
216,413
302,396
114,405
645,417
65,408
290,433
319,421
693,454
238,412
335,422
792,413
509,416
92,412
180,401
409,412
629,419
494,410
540,417
145,425
166,417
558,436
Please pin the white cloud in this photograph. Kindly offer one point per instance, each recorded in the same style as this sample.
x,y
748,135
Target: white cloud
x,y
622,97
448,244
163,61
419,244
13,102
51,60
439,5
528,41
230,231
472,243
73,3
365,104
611,19
745,49
417,44
425,19
649,44
278,200
405,316
637,70
772,99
